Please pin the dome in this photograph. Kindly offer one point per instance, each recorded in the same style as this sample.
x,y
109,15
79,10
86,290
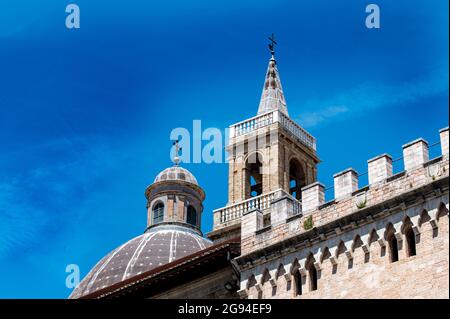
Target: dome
x,y
160,245
176,173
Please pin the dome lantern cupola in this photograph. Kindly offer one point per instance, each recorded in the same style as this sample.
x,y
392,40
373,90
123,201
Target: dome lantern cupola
x,y
175,198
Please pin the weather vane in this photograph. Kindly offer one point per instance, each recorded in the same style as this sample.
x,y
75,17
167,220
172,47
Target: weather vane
x,y
176,158
272,44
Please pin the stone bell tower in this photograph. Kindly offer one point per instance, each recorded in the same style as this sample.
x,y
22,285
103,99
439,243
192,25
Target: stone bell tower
x,y
269,156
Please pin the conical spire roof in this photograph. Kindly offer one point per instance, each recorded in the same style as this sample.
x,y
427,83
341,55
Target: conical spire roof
x,y
272,97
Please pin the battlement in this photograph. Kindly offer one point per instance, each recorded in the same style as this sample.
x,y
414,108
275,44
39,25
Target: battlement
x,y
400,190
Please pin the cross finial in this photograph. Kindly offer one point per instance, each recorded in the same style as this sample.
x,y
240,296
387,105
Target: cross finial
x,y
176,158
272,44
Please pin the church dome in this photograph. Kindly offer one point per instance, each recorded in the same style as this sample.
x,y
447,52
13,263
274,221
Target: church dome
x,y
176,173
156,247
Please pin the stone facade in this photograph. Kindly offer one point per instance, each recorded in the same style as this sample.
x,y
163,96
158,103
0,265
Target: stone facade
x,y
277,237
348,253
389,239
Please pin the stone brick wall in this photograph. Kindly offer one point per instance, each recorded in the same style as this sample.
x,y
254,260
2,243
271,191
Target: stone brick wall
x,y
356,263
351,246
337,209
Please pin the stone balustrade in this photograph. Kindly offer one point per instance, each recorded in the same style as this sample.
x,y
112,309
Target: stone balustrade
x,y
269,118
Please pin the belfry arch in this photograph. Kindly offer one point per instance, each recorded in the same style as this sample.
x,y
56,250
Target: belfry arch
x,y
297,178
253,173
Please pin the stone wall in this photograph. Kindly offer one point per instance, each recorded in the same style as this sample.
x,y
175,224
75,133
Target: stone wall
x,y
357,263
409,181
352,244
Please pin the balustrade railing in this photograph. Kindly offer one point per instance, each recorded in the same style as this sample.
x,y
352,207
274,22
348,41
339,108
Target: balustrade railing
x,y
261,202
269,118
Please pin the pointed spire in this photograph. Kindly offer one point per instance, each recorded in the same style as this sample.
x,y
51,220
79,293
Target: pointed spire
x,y
272,97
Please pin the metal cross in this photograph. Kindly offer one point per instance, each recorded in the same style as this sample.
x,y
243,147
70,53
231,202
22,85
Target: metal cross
x,y
272,44
176,158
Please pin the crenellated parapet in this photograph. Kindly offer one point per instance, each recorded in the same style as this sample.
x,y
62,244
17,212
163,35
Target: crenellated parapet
x,y
388,239
386,193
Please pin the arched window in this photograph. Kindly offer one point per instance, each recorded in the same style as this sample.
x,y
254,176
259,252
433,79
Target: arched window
x,y
410,242
312,273
266,277
297,283
158,213
312,278
443,211
280,272
393,248
251,282
253,167
191,216
297,178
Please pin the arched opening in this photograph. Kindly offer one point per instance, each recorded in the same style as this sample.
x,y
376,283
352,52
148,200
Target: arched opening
x,y
297,178
312,273
393,249
341,249
325,255
373,237
297,283
424,218
410,242
254,179
265,278
443,211
357,243
312,278
191,217
392,244
251,282
410,237
280,272
158,213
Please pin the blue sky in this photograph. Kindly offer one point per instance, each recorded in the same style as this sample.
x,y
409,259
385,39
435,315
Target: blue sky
x,y
85,115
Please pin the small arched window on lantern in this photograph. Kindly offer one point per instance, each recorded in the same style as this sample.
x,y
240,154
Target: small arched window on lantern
x,y
158,213
191,216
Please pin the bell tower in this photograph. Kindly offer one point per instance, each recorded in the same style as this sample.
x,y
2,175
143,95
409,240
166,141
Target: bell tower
x,y
269,156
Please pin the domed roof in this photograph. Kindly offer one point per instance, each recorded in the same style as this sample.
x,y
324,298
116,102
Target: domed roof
x,y
160,245
175,173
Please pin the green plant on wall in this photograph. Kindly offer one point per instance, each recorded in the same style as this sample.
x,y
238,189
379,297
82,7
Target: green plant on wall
x,y
361,204
308,223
